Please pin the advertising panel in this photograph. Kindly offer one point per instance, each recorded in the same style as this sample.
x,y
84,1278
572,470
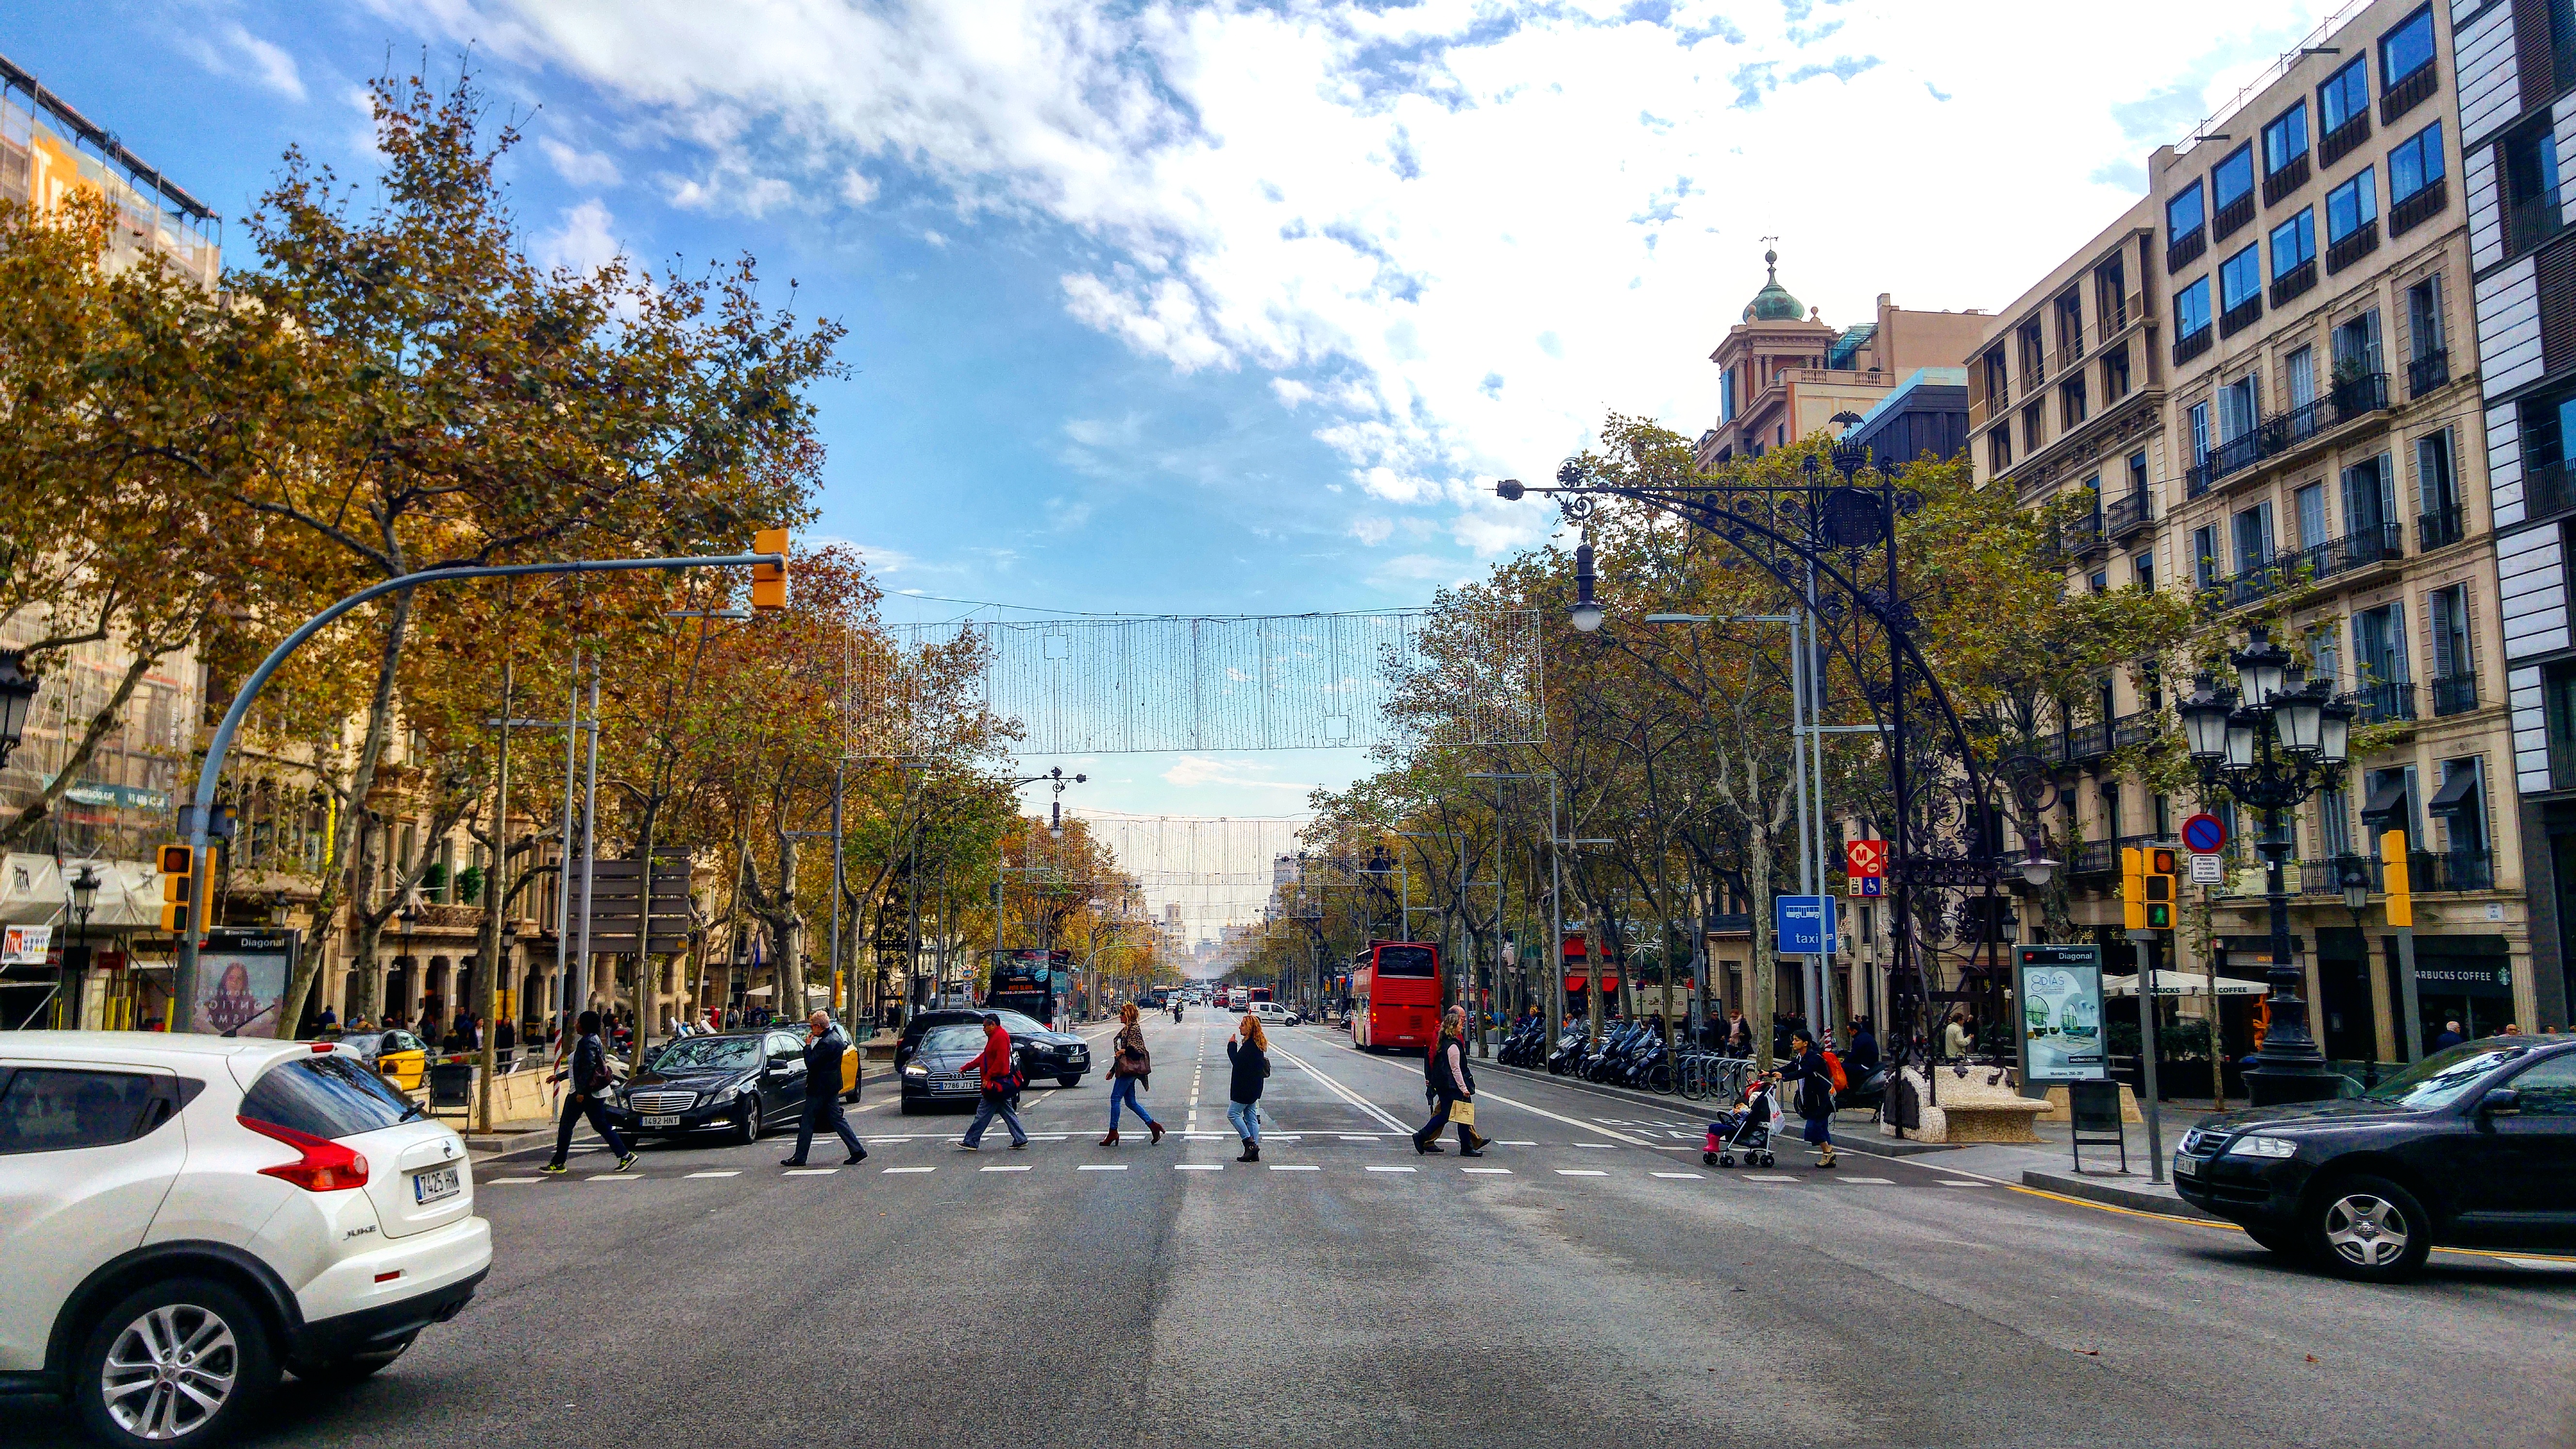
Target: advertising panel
x,y
25,945
241,982
2059,991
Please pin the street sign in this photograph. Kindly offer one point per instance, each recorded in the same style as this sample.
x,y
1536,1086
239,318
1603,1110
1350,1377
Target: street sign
x,y
1865,857
1804,925
2208,870
1865,885
2204,834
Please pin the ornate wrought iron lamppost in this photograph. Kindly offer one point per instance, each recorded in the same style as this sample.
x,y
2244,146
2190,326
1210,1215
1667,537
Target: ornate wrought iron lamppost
x,y
17,692
2273,741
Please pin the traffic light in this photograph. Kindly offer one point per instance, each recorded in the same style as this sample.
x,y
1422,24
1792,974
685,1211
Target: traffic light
x,y
178,887
2133,888
2392,876
2161,861
769,581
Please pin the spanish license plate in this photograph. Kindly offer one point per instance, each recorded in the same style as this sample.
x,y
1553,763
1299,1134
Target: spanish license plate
x,y
2186,1166
435,1185
671,1120
952,1086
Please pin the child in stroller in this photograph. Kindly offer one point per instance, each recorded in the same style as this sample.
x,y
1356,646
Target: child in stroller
x,y
1745,1130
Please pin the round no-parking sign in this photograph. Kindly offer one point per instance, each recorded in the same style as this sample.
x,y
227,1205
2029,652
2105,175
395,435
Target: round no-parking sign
x,y
2204,834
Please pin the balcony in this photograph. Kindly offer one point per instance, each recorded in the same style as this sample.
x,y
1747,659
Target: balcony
x,y
2095,857
2409,93
2352,398
2286,181
2296,280
2529,224
2082,534
2454,693
2439,529
2390,703
2545,490
2428,372
2186,249
2338,143
2433,871
2359,243
2423,206
2140,727
2232,217
2358,550
2250,585
2126,516
2193,344
2115,317
2241,316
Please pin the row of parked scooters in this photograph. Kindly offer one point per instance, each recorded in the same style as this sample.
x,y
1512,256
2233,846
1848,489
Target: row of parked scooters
x,y
1633,1053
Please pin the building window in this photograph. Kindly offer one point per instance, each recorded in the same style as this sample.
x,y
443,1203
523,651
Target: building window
x,y
2345,97
2414,163
2461,806
2309,504
2200,438
2253,529
2111,296
2529,161
2184,217
2299,370
2034,356
2356,348
2379,649
2352,206
2143,570
2138,473
2071,401
2191,309
2070,328
2424,318
2325,653
1999,449
2558,702
2370,505
2204,555
2240,407
1726,396
2034,429
2437,492
2548,425
2240,287
2115,374
2406,49
2447,612
2232,180
2334,821
1998,383
2285,140
2101,581
2294,243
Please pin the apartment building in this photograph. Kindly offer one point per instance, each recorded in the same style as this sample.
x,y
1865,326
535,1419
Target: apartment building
x,y
1784,373
2517,119
2291,429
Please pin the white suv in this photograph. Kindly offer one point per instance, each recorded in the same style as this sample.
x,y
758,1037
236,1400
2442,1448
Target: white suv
x,y
183,1216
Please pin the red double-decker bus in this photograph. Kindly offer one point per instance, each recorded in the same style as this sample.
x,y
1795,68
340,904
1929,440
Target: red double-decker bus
x,y
1395,996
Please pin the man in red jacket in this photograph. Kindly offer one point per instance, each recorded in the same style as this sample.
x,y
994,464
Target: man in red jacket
x,y
993,1069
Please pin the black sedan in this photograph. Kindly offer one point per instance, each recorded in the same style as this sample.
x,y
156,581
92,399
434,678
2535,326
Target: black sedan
x,y
741,1083
936,1071
1040,1051
2473,1146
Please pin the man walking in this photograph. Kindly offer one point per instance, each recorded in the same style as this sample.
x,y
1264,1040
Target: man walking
x,y
993,1070
590,1083
824,1046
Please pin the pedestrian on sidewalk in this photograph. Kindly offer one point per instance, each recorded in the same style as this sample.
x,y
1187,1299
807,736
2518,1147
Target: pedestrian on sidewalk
x,y
1862,1059
1806,1066
1445,1075
1130,1067
824,1046
1739,1034
2450,1037
1249,1051
1955,1037
585,1098
999,1078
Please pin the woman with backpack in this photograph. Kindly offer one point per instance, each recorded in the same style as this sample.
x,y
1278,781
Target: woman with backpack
x,y
1249,1051
1813,1071
1129,1067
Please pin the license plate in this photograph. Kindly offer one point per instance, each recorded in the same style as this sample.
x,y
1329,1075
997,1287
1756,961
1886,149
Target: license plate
x,y
952,1086
435,1185
2186,1166
672,1120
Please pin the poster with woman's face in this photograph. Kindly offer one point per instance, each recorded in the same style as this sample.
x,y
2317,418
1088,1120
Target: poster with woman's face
x,y
240,991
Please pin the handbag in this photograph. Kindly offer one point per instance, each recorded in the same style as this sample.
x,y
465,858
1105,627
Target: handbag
x,y
1462,1112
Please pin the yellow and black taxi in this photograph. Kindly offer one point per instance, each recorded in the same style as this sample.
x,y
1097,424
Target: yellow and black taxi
x,y
2474,1146
397,1055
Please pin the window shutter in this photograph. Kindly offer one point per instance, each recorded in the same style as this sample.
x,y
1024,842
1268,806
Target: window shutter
x,y
2556,265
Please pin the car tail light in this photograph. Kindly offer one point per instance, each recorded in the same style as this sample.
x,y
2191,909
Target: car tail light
x,y
326,1166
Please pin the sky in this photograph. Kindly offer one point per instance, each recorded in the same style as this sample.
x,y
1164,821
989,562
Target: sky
x,y
1225,306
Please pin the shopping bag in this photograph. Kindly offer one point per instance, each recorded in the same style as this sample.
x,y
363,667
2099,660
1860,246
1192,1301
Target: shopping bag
x,y
1463,1112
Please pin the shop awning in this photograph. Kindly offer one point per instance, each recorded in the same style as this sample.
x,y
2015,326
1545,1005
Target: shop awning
x,y
2184,983
2458,794
2386,801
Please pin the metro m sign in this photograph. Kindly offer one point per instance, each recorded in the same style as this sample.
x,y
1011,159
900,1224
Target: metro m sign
x,y
1865,858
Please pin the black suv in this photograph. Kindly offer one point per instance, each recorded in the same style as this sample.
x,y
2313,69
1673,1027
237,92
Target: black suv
x,y
2473,1146
1041,1051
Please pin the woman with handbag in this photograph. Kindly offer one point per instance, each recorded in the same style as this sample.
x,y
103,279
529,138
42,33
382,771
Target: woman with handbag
x,y
1249,1051
1452,1088
1129,1067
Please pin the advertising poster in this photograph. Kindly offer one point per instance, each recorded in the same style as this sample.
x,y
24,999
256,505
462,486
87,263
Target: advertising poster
x,y
2059,992
241,983
25,945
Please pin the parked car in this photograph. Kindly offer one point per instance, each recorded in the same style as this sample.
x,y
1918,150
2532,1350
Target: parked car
x,y
741,1083
185,1216
935,1072
397,1055
1041,1051
1273,1014
2473,1146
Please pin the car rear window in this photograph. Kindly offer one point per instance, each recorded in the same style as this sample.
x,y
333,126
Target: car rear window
x,y
325,1096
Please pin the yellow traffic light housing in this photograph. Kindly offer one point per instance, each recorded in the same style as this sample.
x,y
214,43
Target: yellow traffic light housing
x,y
768,580
2133,888
2161,863
178,888
2392,875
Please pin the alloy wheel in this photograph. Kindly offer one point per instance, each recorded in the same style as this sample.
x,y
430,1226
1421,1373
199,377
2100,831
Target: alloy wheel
x,y
2366,1230
170,1371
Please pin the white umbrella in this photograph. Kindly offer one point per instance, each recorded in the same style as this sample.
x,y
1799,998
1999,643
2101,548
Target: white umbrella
x,y
2184,983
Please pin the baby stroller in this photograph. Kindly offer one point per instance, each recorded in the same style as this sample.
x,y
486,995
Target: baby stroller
x,y
1746,1130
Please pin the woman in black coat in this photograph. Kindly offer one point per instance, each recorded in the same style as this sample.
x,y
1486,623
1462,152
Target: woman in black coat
x,y
1249,1050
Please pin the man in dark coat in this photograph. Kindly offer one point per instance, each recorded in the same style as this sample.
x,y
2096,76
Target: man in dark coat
x,y
824,1046
587,1097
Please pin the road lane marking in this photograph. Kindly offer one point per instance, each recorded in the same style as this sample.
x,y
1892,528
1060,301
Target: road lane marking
x,y
1102,1167
1294,1167
1515,1142
1488,1171
1687,1176
1354,1137
1873,1181
1198,1167
728,1172
1345,1093
809,1172
1768,1177
1374,1168
1967,1184
911,1169
1591,1144
1018,1167
1483,1094
1580,1172
497,1181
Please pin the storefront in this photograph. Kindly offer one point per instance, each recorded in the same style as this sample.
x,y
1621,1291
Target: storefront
x,y
2467,979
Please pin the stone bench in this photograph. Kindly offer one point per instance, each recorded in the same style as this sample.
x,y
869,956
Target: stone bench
x,y
1971,1108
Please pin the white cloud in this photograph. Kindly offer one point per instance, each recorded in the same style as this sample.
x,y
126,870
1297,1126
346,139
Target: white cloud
x,y
1243,774
586,169
231,50
583,243
1455,232
1372,530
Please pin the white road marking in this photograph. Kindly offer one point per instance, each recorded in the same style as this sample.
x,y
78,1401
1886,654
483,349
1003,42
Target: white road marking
x,y
1488,1171
614,1177
1768,1177
1391,1169
911,1169
1967,1184
497,1181
1873,1181
1594,1144
1351,1137
809,1172
1515,1142
1198,1167
1686,1176
1102,1167
1294,1167
729,1172
1345,1093
1580,1172
1013,1168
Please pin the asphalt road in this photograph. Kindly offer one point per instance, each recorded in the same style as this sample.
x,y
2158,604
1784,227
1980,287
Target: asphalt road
x,y
1591,1284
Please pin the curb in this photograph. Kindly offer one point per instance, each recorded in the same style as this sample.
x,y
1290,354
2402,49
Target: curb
x,y
2114,1194
1872,1146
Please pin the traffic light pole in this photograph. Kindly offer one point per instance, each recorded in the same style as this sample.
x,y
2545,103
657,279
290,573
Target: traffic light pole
x,y
200,817
2143,942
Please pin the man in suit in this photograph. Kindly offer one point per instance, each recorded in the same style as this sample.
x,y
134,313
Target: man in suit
x,y
824,1045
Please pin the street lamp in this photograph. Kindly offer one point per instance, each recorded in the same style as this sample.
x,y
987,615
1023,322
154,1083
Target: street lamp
x,y
84,896
1587,612
2286,741
17,692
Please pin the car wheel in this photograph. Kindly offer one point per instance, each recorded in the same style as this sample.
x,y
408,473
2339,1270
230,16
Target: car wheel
x,y
747,1130
1068,1081
2369,1228
182,1359
349,1369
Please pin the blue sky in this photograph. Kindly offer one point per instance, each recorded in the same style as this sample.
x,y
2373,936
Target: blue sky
x,y
1226,307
